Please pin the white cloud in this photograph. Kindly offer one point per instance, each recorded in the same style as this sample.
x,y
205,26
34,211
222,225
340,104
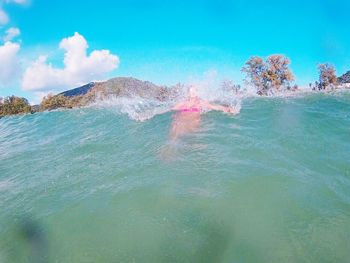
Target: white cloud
x,y
11,33
9,65
79,68
38,96
4,19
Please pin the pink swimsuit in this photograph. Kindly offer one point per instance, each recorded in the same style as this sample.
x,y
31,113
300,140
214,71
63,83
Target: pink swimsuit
x,y
190,110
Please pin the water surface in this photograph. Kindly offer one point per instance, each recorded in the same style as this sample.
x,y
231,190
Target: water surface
x,y
271,184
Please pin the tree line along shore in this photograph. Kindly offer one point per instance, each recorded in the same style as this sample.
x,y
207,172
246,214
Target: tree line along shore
x,y
268,76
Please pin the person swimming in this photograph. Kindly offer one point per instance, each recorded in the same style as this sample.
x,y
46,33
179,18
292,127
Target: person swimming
x,y
188,113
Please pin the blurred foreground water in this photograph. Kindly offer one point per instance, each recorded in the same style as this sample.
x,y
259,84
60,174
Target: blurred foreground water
x,y
271,184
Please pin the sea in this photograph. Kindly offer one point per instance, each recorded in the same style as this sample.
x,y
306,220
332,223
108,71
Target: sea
x,y
106,183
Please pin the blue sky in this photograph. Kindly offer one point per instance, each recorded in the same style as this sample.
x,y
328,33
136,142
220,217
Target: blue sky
x,y
175,41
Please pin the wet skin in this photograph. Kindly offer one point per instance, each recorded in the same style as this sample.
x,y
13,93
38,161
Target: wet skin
x,y
187,118
184,123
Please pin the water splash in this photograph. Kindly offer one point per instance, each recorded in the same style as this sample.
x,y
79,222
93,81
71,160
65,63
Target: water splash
x,y
209,87
142,109
136,108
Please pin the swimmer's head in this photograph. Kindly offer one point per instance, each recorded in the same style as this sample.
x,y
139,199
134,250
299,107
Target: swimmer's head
x,y
192,92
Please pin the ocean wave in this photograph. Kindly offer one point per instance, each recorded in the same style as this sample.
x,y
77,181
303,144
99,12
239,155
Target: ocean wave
x,y
280,166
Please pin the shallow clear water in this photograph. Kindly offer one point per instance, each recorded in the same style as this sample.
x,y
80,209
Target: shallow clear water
x,y
91,185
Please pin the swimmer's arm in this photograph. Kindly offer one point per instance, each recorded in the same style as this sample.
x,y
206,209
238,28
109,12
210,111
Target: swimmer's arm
x,y
178,106
217,107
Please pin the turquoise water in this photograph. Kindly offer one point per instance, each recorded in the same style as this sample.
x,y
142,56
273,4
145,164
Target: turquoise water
x,y
92,185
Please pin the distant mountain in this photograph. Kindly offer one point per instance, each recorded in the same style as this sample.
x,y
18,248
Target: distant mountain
x,y
116,87
123,87
78,91
131,87
345,78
